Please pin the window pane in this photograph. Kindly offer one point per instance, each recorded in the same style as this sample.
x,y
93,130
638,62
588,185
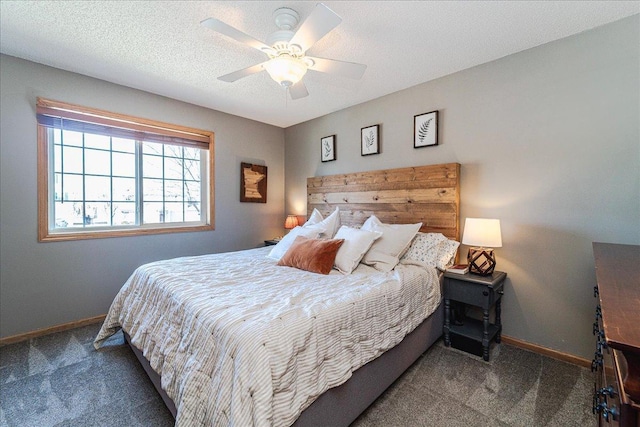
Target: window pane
x,y
173,191
72,159
97,188
153,213
97,162
151,148
124,145
152,189
124,164
124,189
124,213
67,214
57,186
152,166
72,187
173,212
97,141
173,151
98,214
192,212
172,168
57,158
191,153
192,192
72,138
57,136
192,170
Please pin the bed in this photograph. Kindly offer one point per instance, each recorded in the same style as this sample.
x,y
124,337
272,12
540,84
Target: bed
x,y
284,345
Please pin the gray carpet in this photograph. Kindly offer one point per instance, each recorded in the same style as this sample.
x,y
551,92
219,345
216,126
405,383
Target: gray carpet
x,y
60,380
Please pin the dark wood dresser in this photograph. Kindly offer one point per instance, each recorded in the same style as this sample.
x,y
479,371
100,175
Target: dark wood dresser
x,y
616,361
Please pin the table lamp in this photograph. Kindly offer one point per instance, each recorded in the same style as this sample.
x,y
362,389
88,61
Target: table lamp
x,y
482,234
291,222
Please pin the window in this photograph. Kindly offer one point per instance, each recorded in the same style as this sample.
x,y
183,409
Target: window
x,y
102,174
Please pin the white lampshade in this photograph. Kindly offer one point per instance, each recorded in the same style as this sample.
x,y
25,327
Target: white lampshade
x,y
481,232
286,70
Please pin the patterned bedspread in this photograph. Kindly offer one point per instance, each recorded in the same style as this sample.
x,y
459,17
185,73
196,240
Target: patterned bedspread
x,y
241,341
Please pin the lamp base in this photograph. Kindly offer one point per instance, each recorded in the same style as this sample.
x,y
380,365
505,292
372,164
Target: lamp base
x,y
481,261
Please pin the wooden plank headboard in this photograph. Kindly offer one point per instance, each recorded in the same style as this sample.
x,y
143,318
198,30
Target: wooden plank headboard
x,y
427,194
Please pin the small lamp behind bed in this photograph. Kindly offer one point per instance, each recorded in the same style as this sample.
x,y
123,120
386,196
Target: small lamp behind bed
x,y
483,234
291,222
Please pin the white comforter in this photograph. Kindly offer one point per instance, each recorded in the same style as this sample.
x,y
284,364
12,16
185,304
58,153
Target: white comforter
x,y
241,341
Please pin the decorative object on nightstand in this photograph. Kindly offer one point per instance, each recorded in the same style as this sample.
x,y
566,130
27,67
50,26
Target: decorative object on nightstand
x,y
291,222
472,335
483,235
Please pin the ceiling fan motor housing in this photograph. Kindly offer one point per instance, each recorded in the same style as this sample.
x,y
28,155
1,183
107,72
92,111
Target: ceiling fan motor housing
x,y
286,19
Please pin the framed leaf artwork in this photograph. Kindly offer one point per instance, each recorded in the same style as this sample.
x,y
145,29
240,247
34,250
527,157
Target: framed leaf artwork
x,y
369,141
328,148
425,129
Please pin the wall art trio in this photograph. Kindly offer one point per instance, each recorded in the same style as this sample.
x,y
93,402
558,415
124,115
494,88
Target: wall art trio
x,y
425,134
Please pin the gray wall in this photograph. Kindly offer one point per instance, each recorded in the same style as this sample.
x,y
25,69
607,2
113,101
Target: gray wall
x,y
46,284
549,143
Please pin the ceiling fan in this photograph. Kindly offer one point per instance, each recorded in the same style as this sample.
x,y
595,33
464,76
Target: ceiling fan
x,y
286,49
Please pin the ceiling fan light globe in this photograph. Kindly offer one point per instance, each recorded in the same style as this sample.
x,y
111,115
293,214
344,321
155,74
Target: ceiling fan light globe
x,y
286,70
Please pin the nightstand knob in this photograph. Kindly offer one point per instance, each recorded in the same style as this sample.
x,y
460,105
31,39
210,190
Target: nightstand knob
x,y
485,293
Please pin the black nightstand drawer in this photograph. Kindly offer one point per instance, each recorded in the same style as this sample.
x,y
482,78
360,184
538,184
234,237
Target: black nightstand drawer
x,y
471,292
480,296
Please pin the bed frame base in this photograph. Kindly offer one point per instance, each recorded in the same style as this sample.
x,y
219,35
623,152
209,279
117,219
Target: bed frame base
x,y
340,406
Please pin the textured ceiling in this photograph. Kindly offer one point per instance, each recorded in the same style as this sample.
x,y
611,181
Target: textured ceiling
x,y
160,47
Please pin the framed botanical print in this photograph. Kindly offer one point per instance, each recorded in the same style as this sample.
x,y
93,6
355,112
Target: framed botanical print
x,y
369,140
425,129
328,148
253,183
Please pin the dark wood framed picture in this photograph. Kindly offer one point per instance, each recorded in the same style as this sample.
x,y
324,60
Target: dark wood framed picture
x,y
253,183
369,140
425,129
328,148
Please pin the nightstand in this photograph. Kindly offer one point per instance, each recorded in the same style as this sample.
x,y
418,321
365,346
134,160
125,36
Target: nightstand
x,y
473,336
271,242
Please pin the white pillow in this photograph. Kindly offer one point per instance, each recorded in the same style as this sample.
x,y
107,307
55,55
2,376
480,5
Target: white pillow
x,y
446,253
315,218
331,223
311,232
356,244
424,250
385,252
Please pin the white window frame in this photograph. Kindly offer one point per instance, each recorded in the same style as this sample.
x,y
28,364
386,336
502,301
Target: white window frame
x,y
51,114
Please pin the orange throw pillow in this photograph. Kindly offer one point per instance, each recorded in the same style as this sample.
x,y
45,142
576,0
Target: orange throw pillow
x,y
314,255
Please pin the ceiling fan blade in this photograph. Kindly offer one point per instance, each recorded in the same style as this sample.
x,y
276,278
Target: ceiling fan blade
x,y
298,90
351,70
236,75
229,31
317,25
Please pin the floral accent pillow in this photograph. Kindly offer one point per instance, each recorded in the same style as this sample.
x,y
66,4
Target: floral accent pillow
x,y
446,254
424,250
